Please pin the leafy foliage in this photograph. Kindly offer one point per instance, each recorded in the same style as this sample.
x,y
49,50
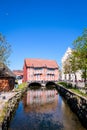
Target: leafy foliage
x,y
80,53
5,50
78,58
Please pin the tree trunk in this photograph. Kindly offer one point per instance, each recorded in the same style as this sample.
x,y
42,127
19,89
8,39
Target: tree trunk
x,y
65,77
85,78
75,80
69,77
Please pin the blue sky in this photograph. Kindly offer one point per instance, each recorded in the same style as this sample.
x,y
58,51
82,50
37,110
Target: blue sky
x,y
41,28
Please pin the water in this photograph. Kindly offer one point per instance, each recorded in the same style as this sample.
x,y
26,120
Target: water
x,y
44,110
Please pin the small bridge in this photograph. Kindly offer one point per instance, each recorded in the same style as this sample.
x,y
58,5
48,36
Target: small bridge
x,y
42,84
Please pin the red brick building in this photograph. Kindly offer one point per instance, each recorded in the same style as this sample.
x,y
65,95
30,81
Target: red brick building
x,y
40,70
18,73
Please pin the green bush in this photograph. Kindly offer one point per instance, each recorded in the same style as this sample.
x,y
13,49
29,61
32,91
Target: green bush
x,y
63,83
67,85
22,86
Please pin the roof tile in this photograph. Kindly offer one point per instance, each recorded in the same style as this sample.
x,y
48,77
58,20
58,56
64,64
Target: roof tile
x,y
41,63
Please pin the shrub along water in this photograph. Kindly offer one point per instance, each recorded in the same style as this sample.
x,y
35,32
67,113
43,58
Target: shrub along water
x,y
21,87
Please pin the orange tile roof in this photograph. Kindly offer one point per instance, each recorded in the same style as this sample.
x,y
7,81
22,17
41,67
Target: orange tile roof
x,y
41,63
18,72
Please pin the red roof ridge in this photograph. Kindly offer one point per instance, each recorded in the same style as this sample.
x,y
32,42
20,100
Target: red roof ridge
x,y
37,62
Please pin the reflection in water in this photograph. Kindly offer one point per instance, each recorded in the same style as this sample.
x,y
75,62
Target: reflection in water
x,y
44,110
44,100
40,97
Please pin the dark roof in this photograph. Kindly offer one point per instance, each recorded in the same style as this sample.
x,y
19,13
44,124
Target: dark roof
x,y
5,71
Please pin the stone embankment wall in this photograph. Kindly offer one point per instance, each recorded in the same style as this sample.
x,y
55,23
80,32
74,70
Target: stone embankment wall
x,y
11,105
77,103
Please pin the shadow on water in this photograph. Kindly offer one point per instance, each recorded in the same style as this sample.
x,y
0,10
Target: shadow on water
x,y
50,87
43,109
34,87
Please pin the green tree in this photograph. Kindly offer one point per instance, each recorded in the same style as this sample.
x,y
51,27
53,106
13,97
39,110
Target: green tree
x,y
5,50
80,49
67,68
74,64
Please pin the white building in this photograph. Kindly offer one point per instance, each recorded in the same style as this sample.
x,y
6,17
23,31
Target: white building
x,y
66,76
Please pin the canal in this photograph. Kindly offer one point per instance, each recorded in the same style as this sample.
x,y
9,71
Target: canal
x,y
44,110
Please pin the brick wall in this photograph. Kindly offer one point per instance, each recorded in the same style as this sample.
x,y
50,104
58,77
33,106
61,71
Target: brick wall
x,y
6,84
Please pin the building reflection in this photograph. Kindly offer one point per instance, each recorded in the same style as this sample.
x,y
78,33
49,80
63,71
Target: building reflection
x,y
40,100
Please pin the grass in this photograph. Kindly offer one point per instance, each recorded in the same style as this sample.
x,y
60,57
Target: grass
x,y
78,92
3,112
73,89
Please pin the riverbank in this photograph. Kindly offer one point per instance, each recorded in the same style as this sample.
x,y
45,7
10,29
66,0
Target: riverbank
x,y
77,103
8,102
